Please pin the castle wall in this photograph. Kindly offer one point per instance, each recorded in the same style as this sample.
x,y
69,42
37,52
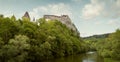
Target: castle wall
x,y
63,19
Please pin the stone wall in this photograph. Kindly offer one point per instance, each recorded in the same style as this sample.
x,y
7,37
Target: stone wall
x,y
63,19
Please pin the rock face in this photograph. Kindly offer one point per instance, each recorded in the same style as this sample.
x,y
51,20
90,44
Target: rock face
x,y
63,19
26,15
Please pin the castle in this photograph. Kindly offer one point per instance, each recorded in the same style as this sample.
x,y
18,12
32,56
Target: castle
x,y
26,15
63,19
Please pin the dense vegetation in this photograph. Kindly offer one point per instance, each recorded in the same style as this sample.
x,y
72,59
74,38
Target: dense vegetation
x,y
91,41
110,47
107,46
25,41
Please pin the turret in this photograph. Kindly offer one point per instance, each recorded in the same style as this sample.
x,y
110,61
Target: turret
x,y
26,16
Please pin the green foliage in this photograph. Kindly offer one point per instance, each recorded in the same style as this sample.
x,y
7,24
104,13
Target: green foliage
x,y
15,50
1,16
107,45
110,60
35,41
25,19
110,47
1,43
94,41
13,18
8,29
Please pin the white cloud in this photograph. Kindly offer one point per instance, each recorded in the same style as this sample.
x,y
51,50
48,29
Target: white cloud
x,y
102,8
113,22
7,13
54,9
98,23
83,34
92,10
118,3
115,9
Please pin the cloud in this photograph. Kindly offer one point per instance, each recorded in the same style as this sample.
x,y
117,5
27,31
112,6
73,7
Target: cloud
x,y
115,9
117,3
98,23
102,8
54,9
83,34
111,8
113,22
92,10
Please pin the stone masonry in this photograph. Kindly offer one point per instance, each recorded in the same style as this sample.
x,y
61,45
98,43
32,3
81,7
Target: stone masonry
x,y
63,19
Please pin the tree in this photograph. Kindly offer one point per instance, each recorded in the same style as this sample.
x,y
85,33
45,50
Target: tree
x,y
8,29
25,19
13,18
15,50
111,46
1,43
26,41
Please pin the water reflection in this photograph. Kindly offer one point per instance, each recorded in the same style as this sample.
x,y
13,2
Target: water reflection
x,y
91,52
86,57
90,57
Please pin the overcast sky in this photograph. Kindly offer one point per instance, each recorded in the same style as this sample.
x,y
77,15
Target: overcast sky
x,y
90,16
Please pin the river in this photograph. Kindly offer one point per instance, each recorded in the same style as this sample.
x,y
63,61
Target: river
x,y
86,57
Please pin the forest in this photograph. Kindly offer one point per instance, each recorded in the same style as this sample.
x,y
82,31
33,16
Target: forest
x,y
23,40
106,45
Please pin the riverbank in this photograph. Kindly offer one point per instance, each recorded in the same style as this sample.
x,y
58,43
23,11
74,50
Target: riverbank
x,y
85,57
90,56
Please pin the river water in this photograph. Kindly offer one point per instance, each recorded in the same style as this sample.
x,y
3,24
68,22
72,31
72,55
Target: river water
x,y
86,57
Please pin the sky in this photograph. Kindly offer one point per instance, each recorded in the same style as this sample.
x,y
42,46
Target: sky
x,y
91,17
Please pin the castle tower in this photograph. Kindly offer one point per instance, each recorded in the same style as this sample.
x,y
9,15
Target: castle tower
x,y
26,15
34,19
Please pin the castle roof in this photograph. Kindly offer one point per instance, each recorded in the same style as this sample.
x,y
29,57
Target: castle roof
x,y
26,15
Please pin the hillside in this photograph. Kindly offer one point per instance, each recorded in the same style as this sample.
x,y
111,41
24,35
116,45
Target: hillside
x,y
22,40
97,37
